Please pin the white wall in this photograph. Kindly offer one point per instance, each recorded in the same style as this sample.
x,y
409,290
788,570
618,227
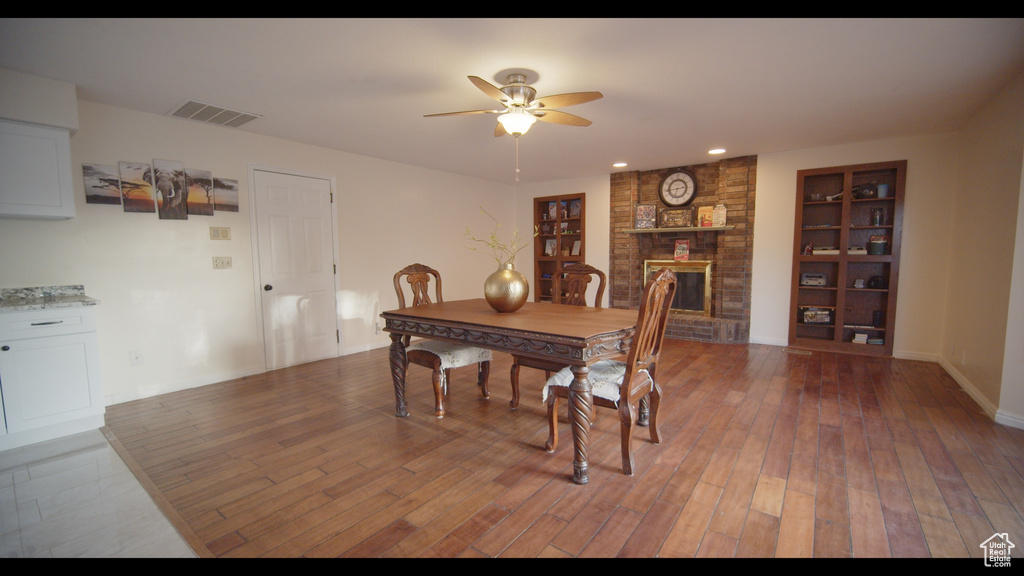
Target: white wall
x,y
195,325
928,209
978,309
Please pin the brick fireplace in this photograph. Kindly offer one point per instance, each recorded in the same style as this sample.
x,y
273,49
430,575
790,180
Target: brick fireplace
x,y
729,182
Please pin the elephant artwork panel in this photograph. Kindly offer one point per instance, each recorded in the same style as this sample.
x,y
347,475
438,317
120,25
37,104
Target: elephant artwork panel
x,y
168,178
200,192
137,192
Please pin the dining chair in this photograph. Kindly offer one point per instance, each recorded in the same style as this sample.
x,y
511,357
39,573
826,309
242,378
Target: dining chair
x,y
631,386
578,276
440,356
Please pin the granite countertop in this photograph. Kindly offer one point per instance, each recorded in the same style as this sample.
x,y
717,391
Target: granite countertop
x,y
44,297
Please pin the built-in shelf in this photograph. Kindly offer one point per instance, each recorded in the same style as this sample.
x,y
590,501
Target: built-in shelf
x,y
844,300
560,222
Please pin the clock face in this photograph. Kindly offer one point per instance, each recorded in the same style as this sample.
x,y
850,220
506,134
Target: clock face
x,y
678,188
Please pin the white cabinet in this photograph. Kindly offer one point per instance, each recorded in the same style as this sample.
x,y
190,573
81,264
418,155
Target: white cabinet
x,y
35,171
49,374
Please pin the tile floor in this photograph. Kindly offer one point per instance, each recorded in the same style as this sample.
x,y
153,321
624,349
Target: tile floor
x,y
75,498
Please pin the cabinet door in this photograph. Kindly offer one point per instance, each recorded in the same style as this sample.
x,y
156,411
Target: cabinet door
x,y
35,171
49,380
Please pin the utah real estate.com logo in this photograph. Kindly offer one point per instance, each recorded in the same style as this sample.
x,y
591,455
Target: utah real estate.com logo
x,y
997,550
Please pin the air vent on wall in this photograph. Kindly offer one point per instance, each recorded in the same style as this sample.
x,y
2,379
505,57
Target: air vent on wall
x,y
209,114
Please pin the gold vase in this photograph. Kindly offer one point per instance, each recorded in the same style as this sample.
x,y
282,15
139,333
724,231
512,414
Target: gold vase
x,y
506,289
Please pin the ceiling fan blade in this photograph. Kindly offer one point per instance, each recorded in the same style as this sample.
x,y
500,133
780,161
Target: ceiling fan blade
x,y
499,130
489,89
558,117
563,100
464,112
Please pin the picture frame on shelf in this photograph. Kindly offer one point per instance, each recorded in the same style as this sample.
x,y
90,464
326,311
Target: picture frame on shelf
x,y
718,215
813,315
550,246
575,209
675,218
646,216
576,245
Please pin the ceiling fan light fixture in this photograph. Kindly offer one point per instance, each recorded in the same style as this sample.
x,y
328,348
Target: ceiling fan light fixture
x,y
516,122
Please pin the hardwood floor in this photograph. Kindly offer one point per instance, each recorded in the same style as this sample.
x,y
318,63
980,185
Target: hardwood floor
x,y
764,453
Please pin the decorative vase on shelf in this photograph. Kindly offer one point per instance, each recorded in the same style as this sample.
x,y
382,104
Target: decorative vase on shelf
x,y
506,289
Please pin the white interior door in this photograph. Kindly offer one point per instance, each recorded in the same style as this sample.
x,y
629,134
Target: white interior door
x,y
295,239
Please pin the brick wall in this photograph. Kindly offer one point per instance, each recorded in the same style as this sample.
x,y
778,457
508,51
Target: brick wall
x,y
730,182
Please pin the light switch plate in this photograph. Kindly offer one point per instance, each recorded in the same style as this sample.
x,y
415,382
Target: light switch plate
x,y
221,262
220,233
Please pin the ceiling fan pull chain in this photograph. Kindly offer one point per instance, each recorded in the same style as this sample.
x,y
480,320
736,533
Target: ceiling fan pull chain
x,y
517,156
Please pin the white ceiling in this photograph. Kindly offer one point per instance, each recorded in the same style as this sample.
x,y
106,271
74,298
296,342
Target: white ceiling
x,y
673,88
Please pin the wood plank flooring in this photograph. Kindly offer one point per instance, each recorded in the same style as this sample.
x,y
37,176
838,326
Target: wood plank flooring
x,y
765,453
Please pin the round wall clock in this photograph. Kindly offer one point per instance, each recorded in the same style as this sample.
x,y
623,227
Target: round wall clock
x,y
678,188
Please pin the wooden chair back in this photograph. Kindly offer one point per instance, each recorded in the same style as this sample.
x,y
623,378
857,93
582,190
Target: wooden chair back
x,y
418,276
577,278
648,336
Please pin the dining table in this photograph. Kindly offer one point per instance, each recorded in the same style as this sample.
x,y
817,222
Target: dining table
x,y
577,336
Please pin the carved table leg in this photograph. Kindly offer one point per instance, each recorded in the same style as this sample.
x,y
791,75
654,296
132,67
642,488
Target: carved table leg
x,y
514,379
399,365
581,414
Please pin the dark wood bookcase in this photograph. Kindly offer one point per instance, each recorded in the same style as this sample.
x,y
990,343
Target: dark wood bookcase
x,y
561,238
846,257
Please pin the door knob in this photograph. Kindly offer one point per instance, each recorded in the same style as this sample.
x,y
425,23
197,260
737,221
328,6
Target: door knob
x,y
5,348
267,287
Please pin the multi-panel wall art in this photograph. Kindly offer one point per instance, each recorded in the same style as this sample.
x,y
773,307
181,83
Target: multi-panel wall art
x,y
162,186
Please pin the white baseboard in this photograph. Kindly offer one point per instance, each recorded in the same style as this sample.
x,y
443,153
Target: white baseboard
x,y
989,408
150,391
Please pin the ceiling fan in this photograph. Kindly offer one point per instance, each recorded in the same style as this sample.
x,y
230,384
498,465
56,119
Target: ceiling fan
x,y
522,108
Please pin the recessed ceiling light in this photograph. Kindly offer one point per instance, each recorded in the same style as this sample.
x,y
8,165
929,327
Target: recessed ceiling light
x,y
619,165
716,151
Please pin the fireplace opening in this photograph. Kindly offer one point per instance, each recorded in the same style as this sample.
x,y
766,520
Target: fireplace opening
x,y
693,284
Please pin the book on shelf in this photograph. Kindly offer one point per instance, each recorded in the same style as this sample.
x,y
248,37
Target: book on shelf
x,y
824,250
860,338
705,216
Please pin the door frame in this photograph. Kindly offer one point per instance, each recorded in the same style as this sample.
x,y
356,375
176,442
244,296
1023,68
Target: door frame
x,y
251,169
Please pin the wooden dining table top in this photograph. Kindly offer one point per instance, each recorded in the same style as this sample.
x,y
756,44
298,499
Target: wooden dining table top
x,y
577,327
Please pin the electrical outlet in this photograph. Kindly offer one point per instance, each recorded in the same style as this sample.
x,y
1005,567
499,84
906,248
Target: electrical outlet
x,y
221,262
376,327
135,357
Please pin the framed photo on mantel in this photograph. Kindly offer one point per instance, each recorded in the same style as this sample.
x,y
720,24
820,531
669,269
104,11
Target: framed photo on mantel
x,y
646,216
676,218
